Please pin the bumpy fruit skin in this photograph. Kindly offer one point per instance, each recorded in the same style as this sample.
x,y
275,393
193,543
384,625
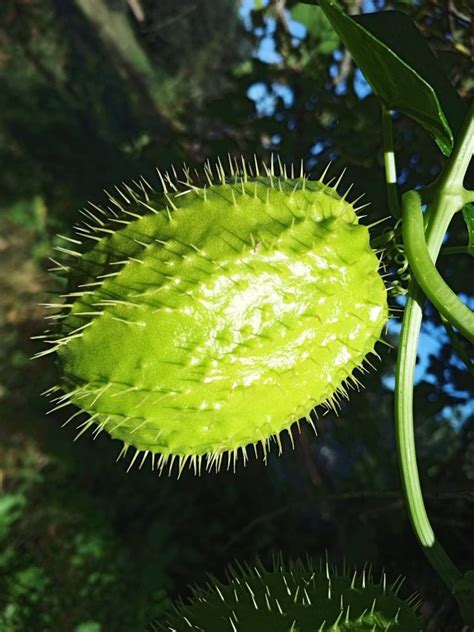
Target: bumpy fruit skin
x,y
293,599
212,318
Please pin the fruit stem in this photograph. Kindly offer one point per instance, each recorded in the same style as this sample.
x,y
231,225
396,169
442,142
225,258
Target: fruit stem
x,y
447,196
389,161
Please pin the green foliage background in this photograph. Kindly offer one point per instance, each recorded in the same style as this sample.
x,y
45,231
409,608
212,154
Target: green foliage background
x,y
93,93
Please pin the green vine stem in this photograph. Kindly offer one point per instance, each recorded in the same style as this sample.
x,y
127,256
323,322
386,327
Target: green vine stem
x,y
447,196
389,161
427,276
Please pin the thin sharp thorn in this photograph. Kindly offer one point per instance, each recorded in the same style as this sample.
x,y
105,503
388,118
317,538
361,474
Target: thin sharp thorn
x,y
98,208
359,208
150,208
187,174
244,169
384,219
114,201
280,166
220,170
73,241
354,202
120,192
147,183
170,181
231,166
348,190
338,182
73,416
85,426
163,185
171,203
72,253
137,452
60,265
147,452
257,170
208,172
325,171
144,191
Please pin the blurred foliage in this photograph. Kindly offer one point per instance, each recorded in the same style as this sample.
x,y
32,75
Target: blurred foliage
x,y
84,546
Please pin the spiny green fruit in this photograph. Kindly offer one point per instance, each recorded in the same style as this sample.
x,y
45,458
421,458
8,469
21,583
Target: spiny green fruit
x,y
205,319
296,598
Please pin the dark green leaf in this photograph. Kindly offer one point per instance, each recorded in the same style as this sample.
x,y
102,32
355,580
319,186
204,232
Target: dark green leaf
x,y
391,72
397,31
